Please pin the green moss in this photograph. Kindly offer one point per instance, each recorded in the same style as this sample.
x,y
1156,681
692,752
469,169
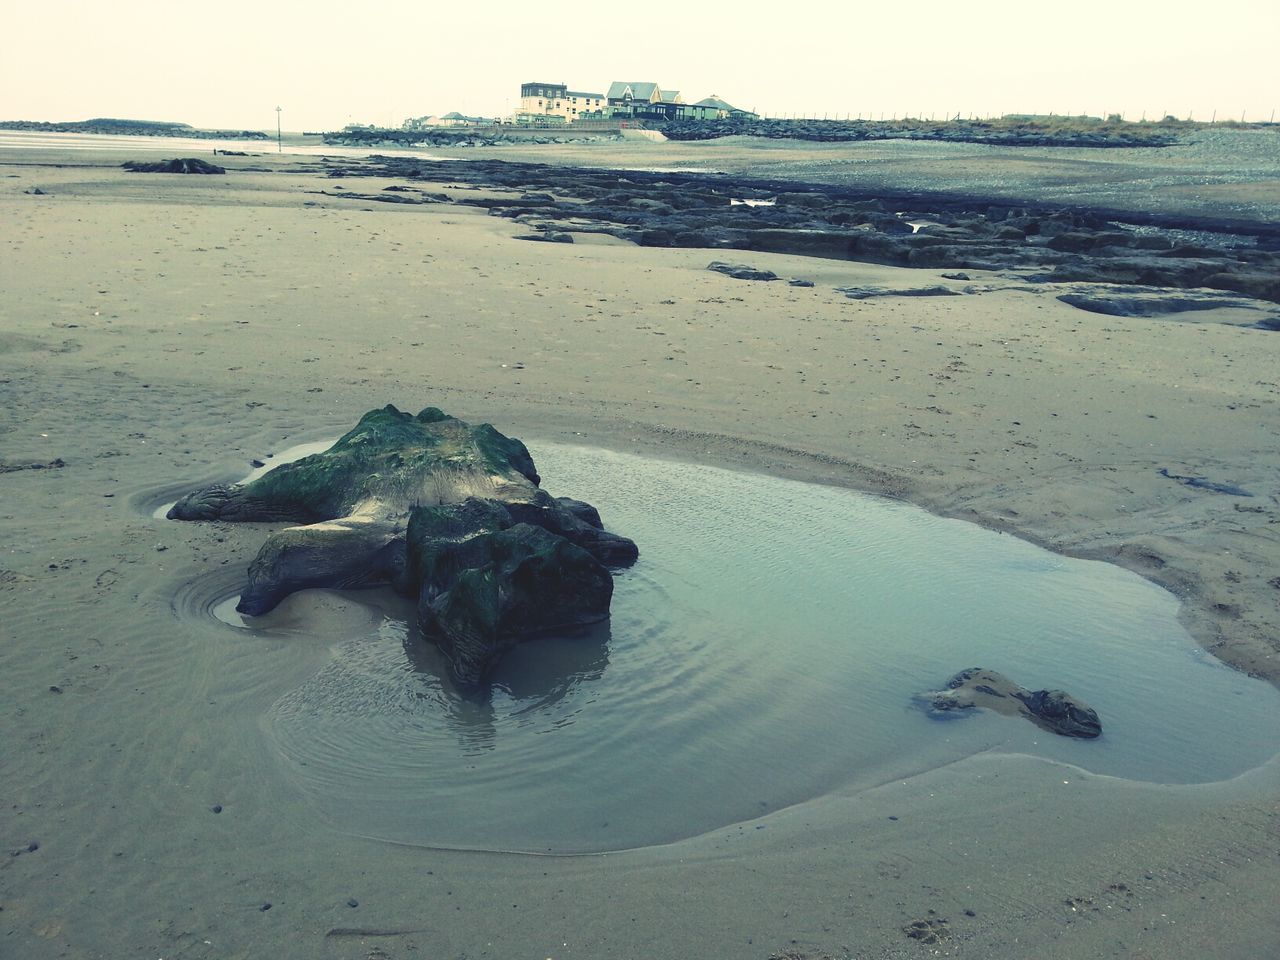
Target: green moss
x,y
388,455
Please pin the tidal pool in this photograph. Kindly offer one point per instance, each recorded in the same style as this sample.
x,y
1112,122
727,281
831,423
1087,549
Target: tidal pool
x,y
765,650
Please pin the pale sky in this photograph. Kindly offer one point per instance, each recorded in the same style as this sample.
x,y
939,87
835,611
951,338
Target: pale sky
x,y
229,63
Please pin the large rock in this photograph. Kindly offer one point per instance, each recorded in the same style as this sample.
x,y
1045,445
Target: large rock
x,y
177,165
1054,710
449,514
488,592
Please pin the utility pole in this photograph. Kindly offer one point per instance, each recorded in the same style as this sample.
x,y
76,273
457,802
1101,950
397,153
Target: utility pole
x,y
279,146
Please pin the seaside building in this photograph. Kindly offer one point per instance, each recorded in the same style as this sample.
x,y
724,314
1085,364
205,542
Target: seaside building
x,y
714,108
648,101
636,99
452,119
555,102
455,119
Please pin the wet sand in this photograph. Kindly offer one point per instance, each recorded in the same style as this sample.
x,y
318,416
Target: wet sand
x,y
158,332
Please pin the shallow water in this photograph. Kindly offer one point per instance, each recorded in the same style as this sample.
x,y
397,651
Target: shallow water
x,y
765,650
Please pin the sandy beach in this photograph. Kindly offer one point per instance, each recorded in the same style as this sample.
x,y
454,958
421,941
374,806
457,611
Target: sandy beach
x,y
159,332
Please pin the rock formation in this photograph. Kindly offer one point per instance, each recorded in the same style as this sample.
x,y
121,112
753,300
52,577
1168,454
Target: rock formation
x,y
446,513
950,232
177,165
1054,710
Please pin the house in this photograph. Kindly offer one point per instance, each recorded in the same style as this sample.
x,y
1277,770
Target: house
x,y
643,100
648,101
553,102
714,108
453,119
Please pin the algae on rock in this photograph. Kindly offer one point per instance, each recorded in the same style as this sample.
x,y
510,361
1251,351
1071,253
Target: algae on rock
x,y
446,513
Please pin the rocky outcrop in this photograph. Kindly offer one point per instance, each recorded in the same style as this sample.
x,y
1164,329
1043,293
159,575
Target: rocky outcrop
x,y
1054,710
1152,305
740,271
131,128
1065,132
177,165
935,231
868,293
446,513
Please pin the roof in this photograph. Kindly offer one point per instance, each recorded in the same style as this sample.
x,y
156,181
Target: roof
x,y
639,91
579,93
714,101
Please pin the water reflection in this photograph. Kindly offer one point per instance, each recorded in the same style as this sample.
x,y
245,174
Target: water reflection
x,y
534,676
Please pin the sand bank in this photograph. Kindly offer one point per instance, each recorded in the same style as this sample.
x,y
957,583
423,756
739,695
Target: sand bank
x,y
160,332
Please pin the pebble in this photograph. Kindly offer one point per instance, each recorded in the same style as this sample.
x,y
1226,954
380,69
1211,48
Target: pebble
x,y
216,808
265,907
353,902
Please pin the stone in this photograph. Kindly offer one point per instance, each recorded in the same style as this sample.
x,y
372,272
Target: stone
x,y
1151,305
1053,710
740,271
448,514
180,165
491,591
547,237
868,293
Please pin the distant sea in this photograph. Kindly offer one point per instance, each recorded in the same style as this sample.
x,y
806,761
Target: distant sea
x,y
190,146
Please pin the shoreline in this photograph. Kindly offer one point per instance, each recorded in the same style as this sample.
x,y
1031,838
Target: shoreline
x,y
161,330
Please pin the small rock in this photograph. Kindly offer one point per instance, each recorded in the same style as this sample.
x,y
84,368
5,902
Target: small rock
x,y
55,689
740,271
255,462
265,907
216,808
353,902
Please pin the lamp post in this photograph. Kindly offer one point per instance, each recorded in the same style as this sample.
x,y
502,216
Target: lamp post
x,y
279,147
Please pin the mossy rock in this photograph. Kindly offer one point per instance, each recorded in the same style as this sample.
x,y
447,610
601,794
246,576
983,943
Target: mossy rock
x,y
446,513
391,460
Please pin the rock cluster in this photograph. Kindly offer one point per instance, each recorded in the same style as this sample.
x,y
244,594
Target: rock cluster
x,y
177,165
460,137
448,514
945,232
131,128
1062,133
